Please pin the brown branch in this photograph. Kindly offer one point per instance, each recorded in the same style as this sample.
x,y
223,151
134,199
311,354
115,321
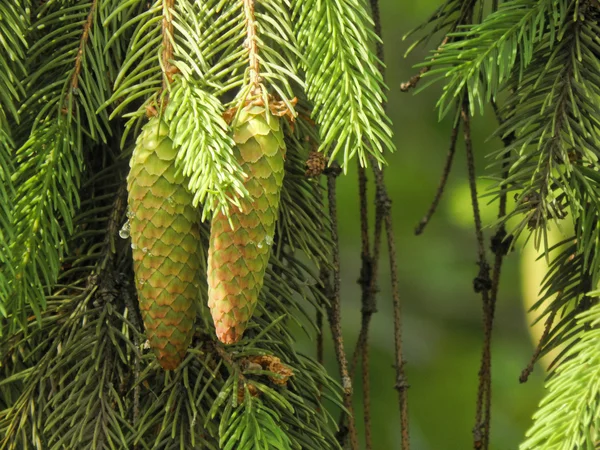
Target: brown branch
x,y
481,284
401,383
367,281
538,349
334,310
414,80
366,385
501,244
443,180
368,273
82,43
252,46
167,44
384,214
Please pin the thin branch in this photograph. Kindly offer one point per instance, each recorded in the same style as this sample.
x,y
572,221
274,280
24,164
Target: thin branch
x,y
367,281
82,44
442,185
538,349
501,244
384,214
167,44
414,80
401,384
481,284
366,385
334,311
252,46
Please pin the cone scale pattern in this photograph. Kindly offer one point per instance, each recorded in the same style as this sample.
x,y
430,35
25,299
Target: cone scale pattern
x,y
166,243
239,248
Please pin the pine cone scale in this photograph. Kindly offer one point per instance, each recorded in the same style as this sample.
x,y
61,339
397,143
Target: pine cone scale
x,y
239,249
165,243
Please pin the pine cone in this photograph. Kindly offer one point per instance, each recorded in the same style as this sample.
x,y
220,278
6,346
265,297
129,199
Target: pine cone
x,y
239,252
165,241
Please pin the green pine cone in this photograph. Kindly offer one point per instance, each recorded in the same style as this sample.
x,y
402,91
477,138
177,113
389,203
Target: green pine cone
x,y
166,242
239,251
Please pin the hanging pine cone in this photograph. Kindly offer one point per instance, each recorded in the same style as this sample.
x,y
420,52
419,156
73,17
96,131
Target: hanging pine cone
x,y
165,241
239,251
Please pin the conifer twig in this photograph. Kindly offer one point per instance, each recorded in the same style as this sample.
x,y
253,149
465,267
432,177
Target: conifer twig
x,y
414,80
443,180
367,280
384,214
482,284
167,43
500,246
82,44
252,46
538,349
401,384
334,311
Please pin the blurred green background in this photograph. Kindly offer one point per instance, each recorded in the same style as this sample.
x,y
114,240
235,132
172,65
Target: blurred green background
x,y
442,315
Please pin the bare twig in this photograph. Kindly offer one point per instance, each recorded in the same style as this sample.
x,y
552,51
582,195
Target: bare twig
x,y
538,349
82,43
368,277
334,311
384,214
401,384
501,244
414,80
481,284
366,385
253,61
167,43
442,185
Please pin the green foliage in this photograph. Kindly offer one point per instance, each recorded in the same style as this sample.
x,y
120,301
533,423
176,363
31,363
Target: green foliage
x,y
67,79
540,60
13,47
85,379
205,146
75,370
576,388
342,79
480,58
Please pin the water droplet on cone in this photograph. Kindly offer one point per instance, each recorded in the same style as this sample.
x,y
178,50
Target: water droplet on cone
x,y
125,231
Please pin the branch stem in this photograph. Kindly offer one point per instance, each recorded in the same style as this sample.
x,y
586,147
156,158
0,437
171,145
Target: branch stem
x,y
334,311
253,60
167,43
482,284
443,180
82,43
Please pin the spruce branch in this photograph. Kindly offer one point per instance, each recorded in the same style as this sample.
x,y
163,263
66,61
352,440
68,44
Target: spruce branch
x,y
13,50
167,43
250,42
204,146
481,57
342,81
67,80
568,415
